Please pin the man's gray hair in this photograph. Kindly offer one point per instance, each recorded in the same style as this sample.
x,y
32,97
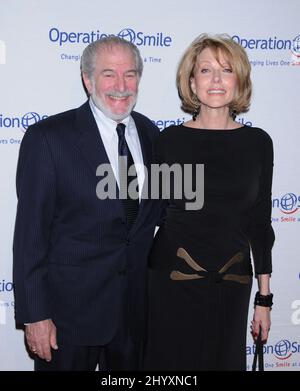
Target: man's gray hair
x,y
89,55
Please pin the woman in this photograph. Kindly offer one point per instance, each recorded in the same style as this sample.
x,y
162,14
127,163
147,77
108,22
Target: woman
x,y
200,267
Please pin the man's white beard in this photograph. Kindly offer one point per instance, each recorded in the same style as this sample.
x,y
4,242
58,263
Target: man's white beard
x,y
107,112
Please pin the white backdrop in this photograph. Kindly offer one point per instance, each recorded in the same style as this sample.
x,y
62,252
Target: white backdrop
x,y
40,47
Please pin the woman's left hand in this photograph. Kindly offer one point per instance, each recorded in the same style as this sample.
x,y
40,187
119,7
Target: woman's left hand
x,y
261,318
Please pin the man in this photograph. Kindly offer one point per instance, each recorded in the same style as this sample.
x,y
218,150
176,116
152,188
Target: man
x,y
80,261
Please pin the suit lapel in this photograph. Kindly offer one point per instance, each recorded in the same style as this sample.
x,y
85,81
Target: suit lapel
x,y
92,148
89,140
91,145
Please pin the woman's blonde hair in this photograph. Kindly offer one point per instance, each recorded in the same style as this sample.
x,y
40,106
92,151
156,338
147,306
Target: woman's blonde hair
x,y
238,60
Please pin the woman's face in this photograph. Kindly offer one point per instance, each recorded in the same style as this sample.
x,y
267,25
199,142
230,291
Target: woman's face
x,y
214,82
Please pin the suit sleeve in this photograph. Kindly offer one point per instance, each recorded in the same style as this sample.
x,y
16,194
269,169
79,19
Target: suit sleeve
x,y
261,234
35,181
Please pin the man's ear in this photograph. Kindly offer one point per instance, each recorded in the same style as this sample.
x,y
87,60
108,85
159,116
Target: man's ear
x,y
88,83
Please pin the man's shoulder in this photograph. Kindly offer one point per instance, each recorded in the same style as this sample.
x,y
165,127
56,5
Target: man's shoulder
x,y
145,121
141,117
60,120
56,119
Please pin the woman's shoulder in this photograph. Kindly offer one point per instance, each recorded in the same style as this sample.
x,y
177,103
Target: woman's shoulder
x,y
260,134
167,137
170,132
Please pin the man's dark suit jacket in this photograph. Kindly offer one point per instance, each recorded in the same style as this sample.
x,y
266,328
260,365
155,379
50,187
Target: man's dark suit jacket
x,y
74,259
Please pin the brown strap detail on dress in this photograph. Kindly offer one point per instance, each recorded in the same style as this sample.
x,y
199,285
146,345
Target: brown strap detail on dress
x,y
176,275
238,257
179,276
182,253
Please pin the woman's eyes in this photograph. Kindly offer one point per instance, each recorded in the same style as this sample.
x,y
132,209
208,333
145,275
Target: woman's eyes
x,y
207,70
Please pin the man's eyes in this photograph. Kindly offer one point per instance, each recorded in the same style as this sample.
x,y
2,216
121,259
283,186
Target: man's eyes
x,y
131,74
127,75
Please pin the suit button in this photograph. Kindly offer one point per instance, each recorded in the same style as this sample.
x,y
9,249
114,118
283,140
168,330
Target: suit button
x,y
122,272
127,242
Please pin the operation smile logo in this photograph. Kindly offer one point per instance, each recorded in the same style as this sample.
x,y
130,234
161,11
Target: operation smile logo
x,y
296,47
139,38
272,44
21,122
163,123
6,287
289,205
282,349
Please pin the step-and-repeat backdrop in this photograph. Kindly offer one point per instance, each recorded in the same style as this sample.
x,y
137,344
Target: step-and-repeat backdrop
x,y
40,47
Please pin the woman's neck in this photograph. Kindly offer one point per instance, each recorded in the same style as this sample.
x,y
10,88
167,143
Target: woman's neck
x,y
215,119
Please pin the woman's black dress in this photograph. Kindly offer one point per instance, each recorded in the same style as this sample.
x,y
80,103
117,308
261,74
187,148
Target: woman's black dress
x,y
198,318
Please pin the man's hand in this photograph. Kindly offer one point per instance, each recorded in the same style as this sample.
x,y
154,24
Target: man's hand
x,y
41,337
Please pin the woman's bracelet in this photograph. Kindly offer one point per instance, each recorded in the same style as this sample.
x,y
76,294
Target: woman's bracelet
x,y
263,300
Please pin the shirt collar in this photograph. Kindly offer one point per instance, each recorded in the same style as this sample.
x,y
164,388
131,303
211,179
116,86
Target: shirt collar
x,y
101,118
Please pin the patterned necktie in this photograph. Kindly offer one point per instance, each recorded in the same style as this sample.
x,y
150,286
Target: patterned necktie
x,y
131,205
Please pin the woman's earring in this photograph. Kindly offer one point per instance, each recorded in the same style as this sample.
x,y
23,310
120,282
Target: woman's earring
x,y
233,114
196,112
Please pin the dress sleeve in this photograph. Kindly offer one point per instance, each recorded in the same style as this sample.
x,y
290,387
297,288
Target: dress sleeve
x,y
260,231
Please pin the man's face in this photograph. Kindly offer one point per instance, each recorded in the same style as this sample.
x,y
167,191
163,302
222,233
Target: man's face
x,y
114,85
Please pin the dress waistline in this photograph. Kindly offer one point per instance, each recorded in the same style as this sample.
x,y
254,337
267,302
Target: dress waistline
x,y
212,276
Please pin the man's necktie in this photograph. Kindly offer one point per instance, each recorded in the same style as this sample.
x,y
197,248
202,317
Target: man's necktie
x,y
131,205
